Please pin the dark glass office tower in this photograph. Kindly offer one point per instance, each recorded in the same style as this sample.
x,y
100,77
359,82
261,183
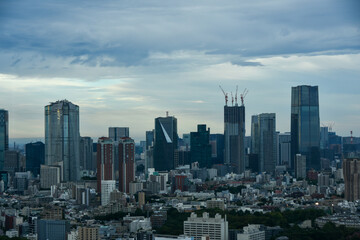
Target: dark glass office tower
x,y
35,156
62,138
166,141
200,148
4,135
234,121
305,125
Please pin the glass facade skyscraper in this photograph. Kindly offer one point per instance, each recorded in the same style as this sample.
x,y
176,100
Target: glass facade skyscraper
x,y
35,156
165,143
200,147
4,135
305,125
62,138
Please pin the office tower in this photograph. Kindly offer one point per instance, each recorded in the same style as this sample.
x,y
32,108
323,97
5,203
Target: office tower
x,y
105,161
4,136
351,169
305,125
49,175
324,137
52,229
234,120
149,139
300,166
12,163
107,186
197,227
200,148
86,154
126,163
166,142
284,149
115,133
217,148
264,140
187,141
35,156
62,138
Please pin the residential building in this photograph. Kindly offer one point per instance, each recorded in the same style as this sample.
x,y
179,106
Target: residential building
x,y
351,168
105,161
49,176
197,227
252,232
107,186
300,166
126,163
62,138
88,233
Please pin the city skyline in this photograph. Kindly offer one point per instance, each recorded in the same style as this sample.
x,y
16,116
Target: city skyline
x,y
144,59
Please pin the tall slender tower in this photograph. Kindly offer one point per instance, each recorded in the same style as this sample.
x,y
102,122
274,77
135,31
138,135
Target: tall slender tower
x,y
264,142
126,163
62,138
4,136
351,170
166,142
305,125
234,121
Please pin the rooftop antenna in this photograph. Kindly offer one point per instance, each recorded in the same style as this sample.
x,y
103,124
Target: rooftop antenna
x,y
236,96
225,94
232,99
243,95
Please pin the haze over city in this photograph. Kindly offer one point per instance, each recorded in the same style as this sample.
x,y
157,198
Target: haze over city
x,y
126,63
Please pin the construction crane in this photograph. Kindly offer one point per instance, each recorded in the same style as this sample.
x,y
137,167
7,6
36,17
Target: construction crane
x,y
236,95
243,95
225,94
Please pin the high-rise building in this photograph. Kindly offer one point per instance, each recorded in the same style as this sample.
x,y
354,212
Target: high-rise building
x,y
305,125
234,121
200,147
86,154
284,152
107,186
264,140
300,166
13,161
126,163
149,139
217,148
115,133
49,175
351,169
324,137
62,138
198,227
52,229
35,156
166,142
105,161
4,136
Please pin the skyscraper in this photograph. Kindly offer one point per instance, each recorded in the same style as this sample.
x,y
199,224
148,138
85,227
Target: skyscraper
x,y
105,161
86,154
4,136
35,156
115,133
264,140
62,138
305,125
351,169
234,121
166,141
200,148
126,163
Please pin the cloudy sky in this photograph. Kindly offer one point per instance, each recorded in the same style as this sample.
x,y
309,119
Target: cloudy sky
x,y
127,62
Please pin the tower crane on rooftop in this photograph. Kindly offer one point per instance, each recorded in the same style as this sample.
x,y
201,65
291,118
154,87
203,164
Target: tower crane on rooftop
x,y
243,95
225,94
236,96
